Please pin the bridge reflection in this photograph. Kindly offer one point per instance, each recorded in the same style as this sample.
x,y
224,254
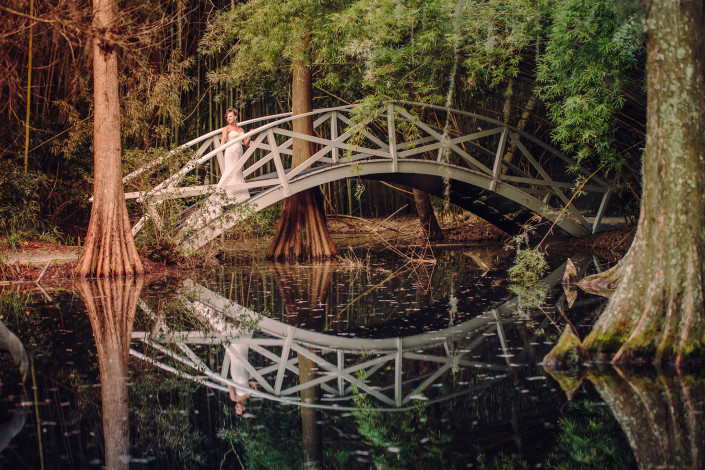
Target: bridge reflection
x,y
395,371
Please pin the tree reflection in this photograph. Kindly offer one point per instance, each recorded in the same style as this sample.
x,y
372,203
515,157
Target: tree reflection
x,y
310,417
304,292
661,415
659,412
111,306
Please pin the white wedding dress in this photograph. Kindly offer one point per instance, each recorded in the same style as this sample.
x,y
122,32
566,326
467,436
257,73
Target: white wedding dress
x,y
230,176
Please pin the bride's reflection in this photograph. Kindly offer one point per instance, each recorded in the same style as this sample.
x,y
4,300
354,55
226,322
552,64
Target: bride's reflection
x,y
111,306
234,338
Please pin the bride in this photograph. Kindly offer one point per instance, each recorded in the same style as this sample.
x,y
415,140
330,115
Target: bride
x,y
232,154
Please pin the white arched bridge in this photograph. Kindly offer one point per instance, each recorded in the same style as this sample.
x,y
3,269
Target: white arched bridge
x,y
496,171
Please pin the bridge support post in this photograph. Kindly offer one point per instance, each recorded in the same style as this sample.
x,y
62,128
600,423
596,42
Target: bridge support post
x,y
334,135
601,211
391,130
497,168
397,372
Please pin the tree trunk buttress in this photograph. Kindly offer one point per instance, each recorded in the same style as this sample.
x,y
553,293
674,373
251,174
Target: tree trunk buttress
x,y
302,233
657,311
427,216
109,249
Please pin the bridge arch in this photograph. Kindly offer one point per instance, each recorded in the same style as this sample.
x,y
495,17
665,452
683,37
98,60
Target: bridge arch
x,y
497,171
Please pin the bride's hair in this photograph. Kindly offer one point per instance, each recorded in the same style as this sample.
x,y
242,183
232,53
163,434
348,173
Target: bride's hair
x,y
231,110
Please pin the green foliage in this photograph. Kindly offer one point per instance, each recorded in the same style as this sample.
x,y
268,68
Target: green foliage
x,y
22,197
499,35
398,440
501,461
273,444
164,409
152,103
525,274
261,223
589,55
529,266
156,241
588,440
260,38
404,49
15,307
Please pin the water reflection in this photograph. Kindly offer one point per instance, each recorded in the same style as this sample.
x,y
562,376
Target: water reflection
x,y
289,364
454,384
366,294
661,415
9,428
232,337
111,306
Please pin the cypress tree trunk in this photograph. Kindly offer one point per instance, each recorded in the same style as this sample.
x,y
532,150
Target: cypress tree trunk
x,y
427,216
521,125
656,311
302,233
109,249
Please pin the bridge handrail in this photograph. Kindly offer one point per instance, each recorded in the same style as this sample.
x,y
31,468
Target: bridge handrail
x,y
481,162
280,119
288,117
192,143
525,134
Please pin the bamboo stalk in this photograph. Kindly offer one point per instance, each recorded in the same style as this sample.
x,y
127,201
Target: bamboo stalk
x,y
29,87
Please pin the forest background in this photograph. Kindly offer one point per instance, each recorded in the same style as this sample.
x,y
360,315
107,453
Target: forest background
x,y
570,72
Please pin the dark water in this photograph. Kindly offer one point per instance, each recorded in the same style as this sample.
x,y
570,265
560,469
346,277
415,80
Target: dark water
x,y
381,361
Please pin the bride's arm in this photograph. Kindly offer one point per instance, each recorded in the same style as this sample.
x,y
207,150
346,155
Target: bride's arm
x,y
224,136
246,141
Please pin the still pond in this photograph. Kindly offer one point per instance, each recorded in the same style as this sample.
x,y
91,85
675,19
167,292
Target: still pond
x,y
382,360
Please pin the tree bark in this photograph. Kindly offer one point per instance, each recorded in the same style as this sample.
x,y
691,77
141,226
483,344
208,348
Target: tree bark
x,y
656,311
302,233
429,224
111,306
109,249
521,125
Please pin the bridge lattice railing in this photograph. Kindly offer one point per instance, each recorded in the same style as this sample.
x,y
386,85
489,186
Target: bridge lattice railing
x,y
501,154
